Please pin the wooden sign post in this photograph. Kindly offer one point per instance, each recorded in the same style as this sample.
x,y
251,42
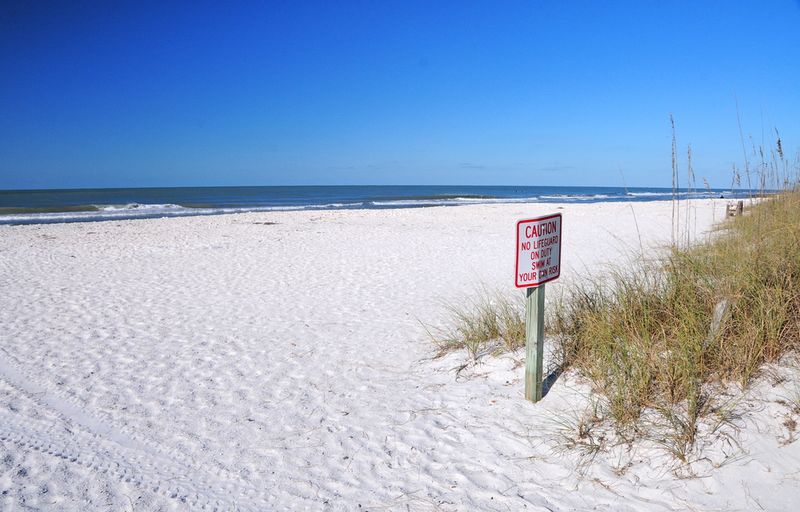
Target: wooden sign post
x,y
538,261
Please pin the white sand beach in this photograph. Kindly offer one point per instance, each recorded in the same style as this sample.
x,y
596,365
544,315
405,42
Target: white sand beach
x,y
280,361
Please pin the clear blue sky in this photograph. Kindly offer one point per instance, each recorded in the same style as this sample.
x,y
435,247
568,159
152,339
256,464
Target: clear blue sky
x,y
289,93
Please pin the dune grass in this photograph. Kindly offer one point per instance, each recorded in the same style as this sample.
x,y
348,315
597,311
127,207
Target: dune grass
x,y
660,336
657,335
490,323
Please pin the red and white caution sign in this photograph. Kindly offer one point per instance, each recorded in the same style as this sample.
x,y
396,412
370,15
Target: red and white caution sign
x,y
538,250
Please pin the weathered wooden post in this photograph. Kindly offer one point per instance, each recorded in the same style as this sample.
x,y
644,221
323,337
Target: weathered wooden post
x,y
538,261
534,342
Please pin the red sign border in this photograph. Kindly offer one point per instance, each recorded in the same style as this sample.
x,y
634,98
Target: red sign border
x,y
516,257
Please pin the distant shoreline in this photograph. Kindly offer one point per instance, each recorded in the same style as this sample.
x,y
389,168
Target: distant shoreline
x,y
87,205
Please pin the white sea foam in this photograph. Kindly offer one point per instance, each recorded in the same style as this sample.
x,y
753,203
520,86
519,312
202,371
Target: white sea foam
x,y
648,194
139,207
136,210
578,197
448,201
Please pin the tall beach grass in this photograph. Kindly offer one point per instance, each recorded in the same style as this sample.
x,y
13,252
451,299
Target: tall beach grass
x,y
657,334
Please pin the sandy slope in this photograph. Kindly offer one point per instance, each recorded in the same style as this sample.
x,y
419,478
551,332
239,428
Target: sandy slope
x,y
225,362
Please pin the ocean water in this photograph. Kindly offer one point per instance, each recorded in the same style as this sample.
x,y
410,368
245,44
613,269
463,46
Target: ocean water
x,y
85,205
